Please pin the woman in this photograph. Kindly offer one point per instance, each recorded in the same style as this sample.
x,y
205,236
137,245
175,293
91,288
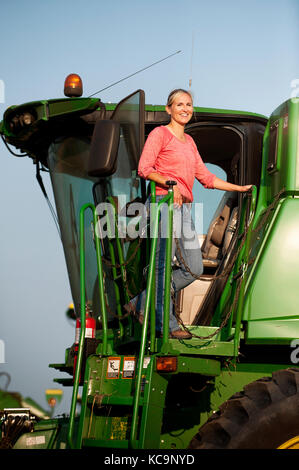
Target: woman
x,y
170,154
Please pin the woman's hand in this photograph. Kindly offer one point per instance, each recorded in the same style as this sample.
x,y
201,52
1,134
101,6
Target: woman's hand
x,y
161,180
225,186
244,189
177,197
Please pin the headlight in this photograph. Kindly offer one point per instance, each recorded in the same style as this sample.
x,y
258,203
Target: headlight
x,y
26,119
20,121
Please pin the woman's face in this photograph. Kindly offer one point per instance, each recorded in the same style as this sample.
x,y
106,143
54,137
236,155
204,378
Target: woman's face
x,y
181,109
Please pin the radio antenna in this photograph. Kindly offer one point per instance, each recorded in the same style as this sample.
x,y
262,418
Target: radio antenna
x,y
191,62
135,73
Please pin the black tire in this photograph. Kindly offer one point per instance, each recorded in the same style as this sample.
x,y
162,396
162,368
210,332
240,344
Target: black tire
x,y
263,416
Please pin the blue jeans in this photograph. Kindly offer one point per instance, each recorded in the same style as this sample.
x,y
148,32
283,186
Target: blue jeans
x,y
184,231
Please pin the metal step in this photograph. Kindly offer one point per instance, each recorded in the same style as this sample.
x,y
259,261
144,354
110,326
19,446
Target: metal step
x,y
109,444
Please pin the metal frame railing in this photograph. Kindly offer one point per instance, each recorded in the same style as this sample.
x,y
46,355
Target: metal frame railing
x,y
242,262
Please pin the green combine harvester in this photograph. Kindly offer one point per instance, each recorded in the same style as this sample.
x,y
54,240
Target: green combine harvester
x,y
235,383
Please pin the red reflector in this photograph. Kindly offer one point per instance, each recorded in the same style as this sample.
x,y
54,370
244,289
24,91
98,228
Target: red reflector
x,y
167,364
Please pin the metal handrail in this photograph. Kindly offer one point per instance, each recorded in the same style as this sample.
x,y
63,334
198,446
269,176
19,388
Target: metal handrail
x,y
244,256
235,286
83,312
153,293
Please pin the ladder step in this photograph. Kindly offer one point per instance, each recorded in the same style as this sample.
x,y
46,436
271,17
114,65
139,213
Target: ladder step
x,y
64,381
111,444
117,400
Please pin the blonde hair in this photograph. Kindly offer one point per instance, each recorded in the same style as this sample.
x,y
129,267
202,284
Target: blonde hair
x,y
174,93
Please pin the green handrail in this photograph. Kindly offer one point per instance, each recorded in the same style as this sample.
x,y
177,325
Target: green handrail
x,y
153,292
168,259
149,288
83,312
230,291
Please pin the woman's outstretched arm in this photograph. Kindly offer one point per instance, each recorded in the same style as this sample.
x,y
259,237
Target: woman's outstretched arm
x,y
225,186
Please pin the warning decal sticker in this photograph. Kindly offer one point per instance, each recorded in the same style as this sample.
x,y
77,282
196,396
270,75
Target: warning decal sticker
x,y
129,367
113,368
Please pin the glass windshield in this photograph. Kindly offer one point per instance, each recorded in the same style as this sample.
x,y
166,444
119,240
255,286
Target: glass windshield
x,y
68,159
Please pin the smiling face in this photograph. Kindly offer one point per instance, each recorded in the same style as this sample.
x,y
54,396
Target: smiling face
x,y
181,108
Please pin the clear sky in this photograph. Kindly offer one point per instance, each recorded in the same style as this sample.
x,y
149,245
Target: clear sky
x,y
245,56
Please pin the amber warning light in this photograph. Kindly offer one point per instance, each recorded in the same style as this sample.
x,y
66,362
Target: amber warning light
x,y
166,364
73,86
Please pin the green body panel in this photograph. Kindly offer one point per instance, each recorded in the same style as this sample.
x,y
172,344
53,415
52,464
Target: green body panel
x,y
287,168
49,434
275,331
273,284
182,420
103,392
271,301
284,173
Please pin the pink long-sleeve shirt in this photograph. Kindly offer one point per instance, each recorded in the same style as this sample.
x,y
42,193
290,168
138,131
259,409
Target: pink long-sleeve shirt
x,y
165,154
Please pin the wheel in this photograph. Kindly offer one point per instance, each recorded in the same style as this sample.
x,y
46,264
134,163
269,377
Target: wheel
x,y
290,444
265,415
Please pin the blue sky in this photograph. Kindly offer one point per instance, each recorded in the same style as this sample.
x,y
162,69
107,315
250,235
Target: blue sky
x,y
245,55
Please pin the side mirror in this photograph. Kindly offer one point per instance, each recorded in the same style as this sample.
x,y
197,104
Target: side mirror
x,y
104,148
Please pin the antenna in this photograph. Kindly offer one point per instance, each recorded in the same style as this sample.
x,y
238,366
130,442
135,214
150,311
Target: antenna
x,y
191,63
135,73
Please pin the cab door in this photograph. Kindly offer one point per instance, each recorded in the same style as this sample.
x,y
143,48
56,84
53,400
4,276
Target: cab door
x,y
119,190
129,113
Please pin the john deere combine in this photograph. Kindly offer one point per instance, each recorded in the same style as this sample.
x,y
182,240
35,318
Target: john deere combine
x,y
234,384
